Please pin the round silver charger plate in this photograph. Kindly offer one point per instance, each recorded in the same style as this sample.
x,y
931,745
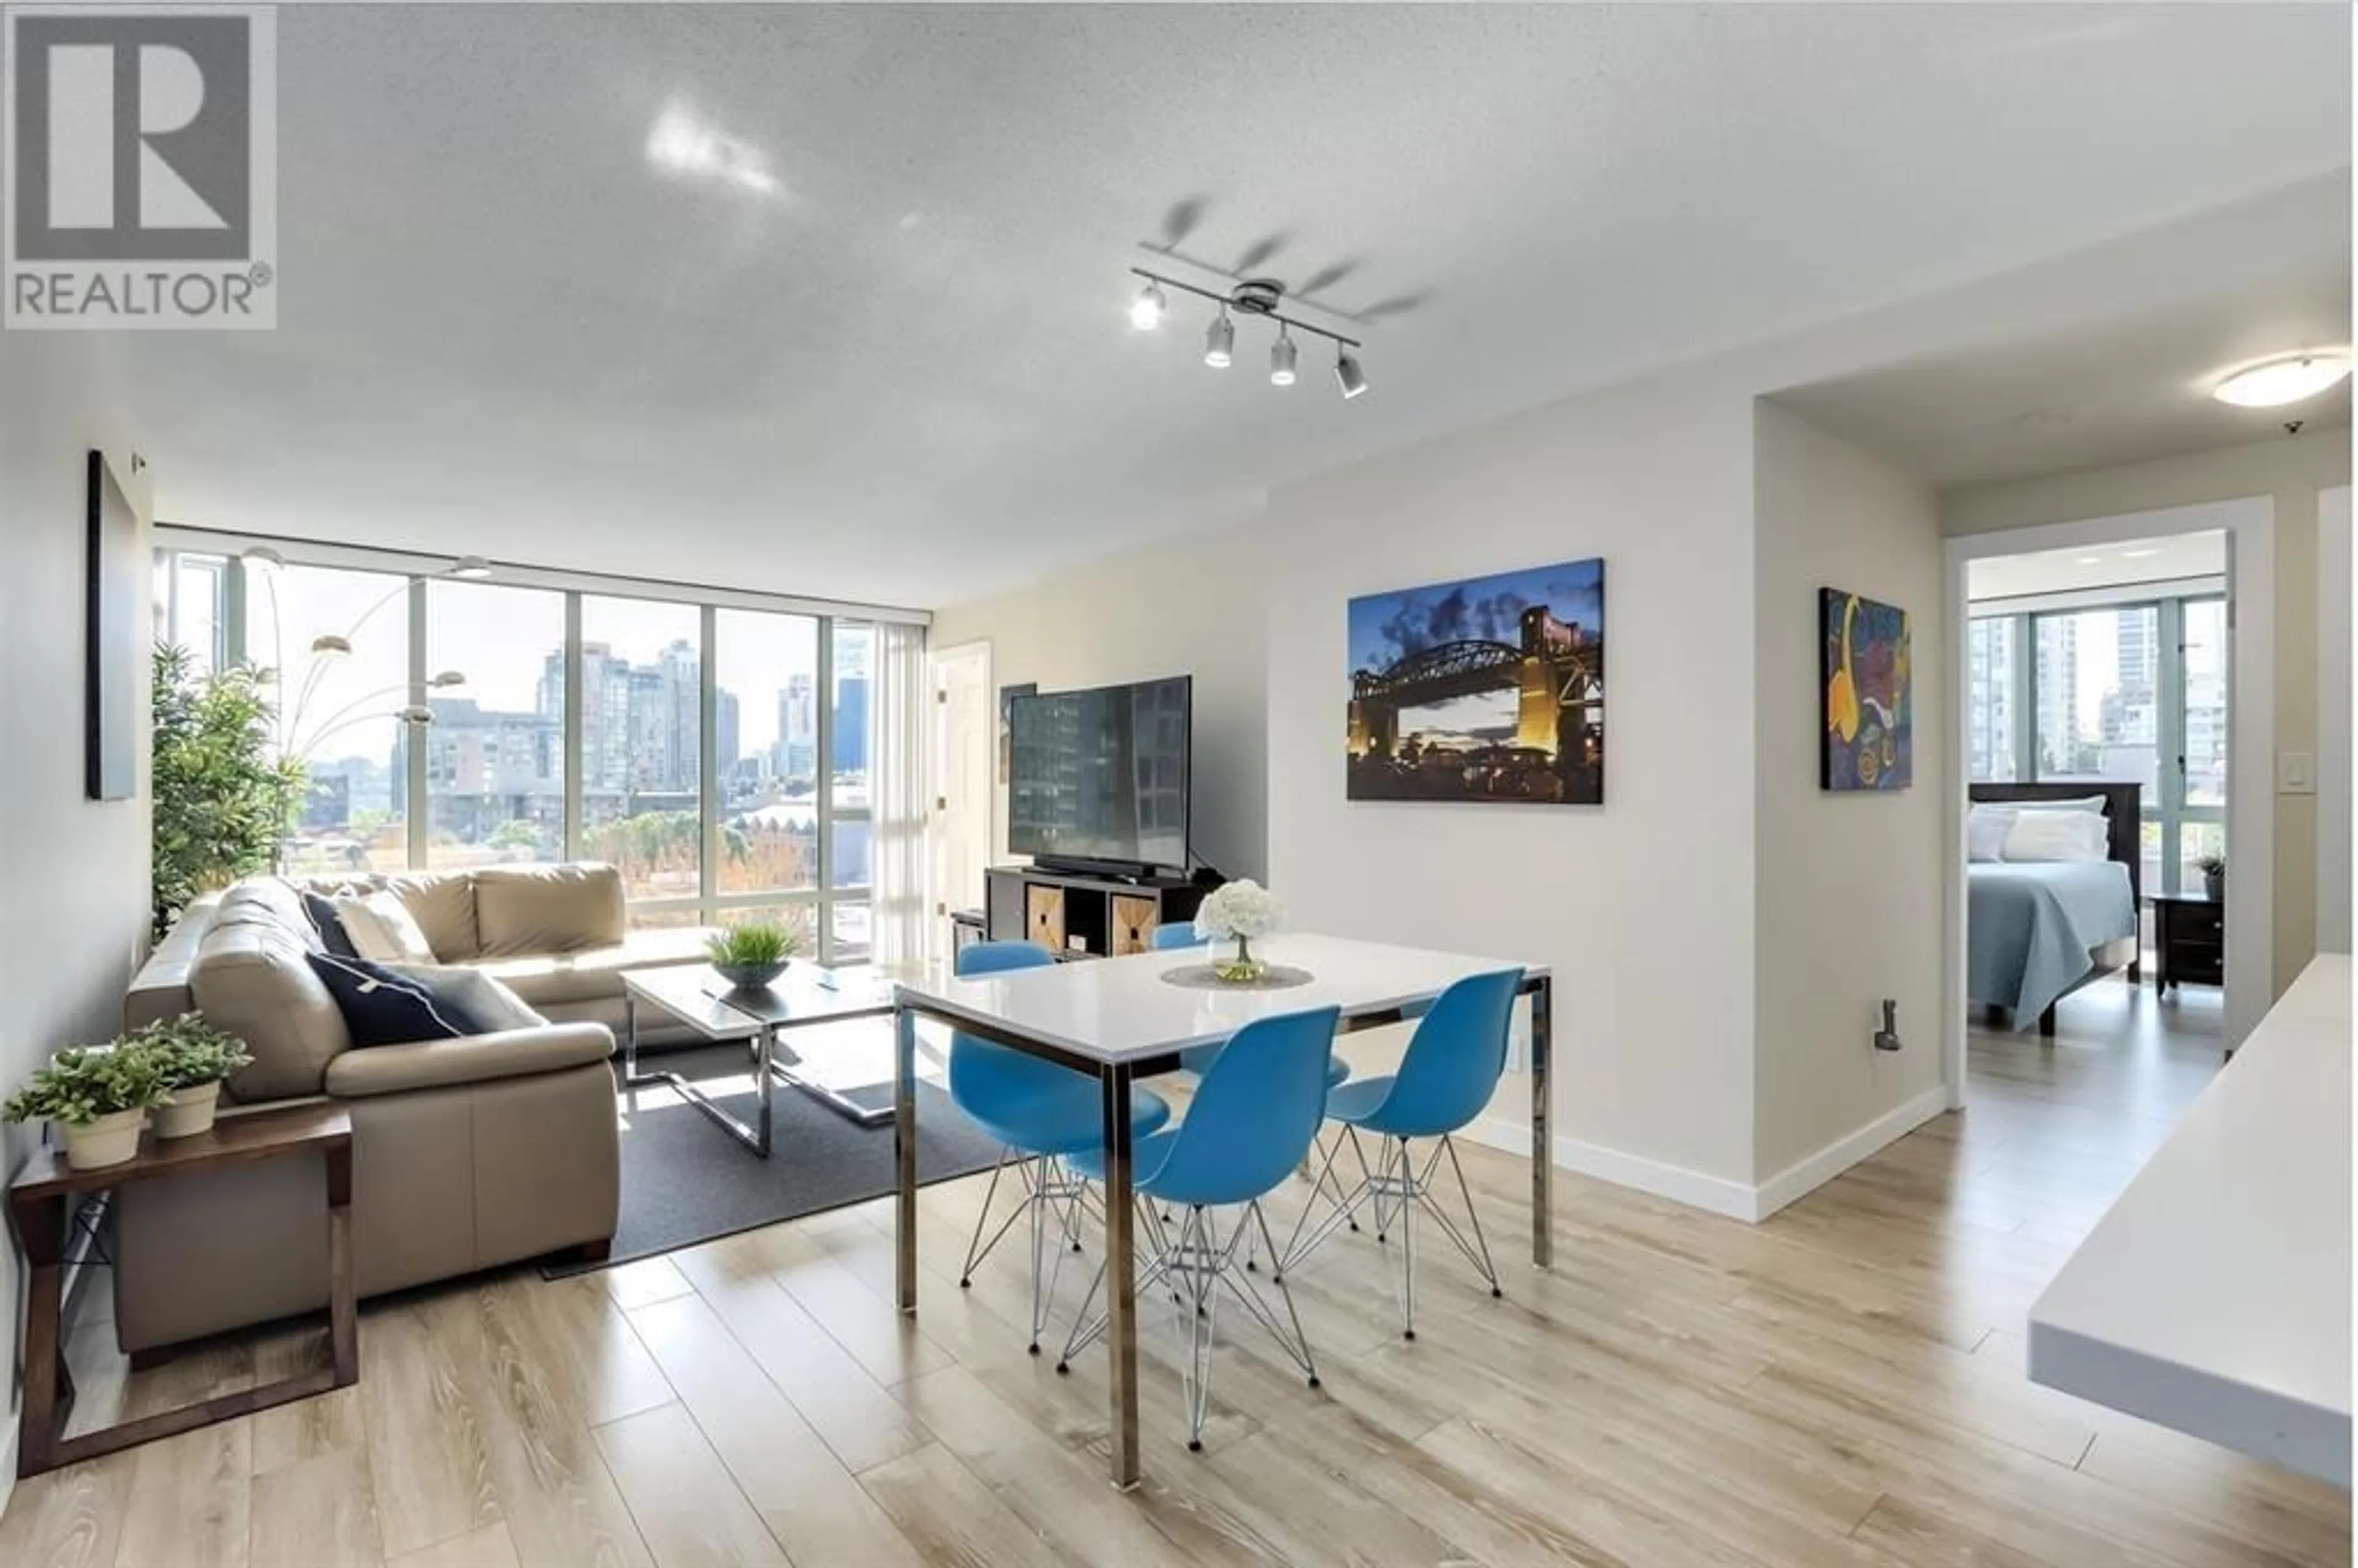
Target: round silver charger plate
x,y
1204,978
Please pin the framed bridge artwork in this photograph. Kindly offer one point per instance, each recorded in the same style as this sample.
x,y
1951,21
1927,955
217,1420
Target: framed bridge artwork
x,y
1488,689
1866,715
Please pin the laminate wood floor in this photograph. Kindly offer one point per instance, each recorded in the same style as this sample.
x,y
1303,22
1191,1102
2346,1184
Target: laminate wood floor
x,y
1842,1385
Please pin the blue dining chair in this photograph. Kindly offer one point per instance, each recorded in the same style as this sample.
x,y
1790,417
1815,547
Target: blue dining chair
x,y
1042,1115
1444,1081
1250,1124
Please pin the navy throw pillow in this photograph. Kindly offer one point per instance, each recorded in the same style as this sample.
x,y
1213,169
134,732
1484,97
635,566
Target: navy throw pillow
x,y
329,925
383,1008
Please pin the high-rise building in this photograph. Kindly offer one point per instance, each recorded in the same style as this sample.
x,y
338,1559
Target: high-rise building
x,y
850,743
2056,672
799,727
725,730
1989,694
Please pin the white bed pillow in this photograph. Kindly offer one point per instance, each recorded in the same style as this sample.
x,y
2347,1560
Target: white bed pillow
x,y
2047,835
1986,830
382,930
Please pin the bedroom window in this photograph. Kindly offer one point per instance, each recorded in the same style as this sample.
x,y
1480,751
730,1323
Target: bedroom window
x,y
2112,692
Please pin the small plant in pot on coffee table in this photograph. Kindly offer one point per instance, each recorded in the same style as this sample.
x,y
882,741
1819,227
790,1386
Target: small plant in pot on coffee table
x,y
194,1057
751,955
97,1095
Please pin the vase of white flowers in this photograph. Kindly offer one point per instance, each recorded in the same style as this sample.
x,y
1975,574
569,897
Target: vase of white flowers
x,y
1238,911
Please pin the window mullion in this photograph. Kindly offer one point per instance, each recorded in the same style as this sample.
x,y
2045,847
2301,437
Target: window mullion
x,y
823,771
414,736
707,751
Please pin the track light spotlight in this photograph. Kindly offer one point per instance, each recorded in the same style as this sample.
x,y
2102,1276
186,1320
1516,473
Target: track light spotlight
x,y
1220,342
1347,373
1281,360
1146,310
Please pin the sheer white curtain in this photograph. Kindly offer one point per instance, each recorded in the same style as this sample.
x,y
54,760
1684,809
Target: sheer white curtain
x,y
898,751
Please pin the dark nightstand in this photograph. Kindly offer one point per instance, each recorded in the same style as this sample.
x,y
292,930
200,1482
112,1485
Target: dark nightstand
x,y
2190,939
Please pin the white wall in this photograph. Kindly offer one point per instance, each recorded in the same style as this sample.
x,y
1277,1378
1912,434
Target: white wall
x,y
1849,903
2290,473
1192,607
2333,699
73,872
1643,906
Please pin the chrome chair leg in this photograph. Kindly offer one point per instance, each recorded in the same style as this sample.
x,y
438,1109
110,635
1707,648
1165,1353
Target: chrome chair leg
x,y
976,1249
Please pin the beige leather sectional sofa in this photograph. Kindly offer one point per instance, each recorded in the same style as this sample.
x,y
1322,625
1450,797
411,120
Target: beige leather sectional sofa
x,y
466,1153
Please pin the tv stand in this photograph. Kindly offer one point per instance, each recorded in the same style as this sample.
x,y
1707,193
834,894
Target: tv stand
x,y
1086,913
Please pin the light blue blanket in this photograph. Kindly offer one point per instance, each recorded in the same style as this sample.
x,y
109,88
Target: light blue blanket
x,y
2033,930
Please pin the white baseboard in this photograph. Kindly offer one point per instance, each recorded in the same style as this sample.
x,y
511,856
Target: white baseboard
x,y
1696,1189
1719,1194
1814,1170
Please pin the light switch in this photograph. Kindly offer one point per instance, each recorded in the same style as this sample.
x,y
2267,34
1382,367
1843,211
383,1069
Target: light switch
x,y
2296,773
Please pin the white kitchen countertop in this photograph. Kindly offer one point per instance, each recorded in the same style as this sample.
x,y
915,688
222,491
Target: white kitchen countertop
x,y
2214,1296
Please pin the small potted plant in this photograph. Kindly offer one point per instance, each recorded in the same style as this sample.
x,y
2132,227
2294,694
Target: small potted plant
x,y
1238,911
751,955
97,1095
194,1058
2214,877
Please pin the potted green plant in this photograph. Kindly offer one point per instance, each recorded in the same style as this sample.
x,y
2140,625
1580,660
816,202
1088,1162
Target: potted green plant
x,y
751,955
97,1095
222,798
2214,877
194,1058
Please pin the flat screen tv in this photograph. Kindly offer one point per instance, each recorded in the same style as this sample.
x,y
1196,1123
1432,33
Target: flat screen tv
x,y
1097,779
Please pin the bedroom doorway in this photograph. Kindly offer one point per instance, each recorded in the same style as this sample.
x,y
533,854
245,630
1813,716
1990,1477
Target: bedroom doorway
x,y
2096,669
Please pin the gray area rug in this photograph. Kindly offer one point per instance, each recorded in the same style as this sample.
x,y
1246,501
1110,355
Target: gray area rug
x,y
685,1181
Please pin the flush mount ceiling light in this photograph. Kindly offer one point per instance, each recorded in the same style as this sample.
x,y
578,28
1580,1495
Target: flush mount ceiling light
x,y
1255,298
2289,379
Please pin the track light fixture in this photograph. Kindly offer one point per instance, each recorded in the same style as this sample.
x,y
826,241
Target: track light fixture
x,y
1253,296
1146,310
1220,341
1347,373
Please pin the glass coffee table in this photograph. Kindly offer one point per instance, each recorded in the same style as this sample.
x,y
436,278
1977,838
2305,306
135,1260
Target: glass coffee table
x,y
695,995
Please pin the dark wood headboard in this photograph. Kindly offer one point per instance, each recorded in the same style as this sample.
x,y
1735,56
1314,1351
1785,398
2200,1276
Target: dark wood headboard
x,y
2124,810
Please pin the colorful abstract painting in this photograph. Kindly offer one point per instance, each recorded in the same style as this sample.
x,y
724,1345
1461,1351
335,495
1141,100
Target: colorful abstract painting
x,y
1491,688
1866,717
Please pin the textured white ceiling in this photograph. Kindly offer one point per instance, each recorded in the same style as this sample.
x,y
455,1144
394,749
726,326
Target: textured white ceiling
x,y
2112,388
2171,558
906,376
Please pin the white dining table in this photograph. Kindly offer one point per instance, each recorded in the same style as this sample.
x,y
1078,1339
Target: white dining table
x,y
1120,1019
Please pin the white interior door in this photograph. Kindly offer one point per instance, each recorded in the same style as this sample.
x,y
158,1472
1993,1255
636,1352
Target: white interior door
x,y
962,811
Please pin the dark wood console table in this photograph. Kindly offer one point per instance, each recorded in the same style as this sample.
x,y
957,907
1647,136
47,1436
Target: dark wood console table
x,y
38,1202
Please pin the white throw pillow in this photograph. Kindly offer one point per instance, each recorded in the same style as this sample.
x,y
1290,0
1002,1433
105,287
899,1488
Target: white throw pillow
x,y
382,930
1985,828
2066,835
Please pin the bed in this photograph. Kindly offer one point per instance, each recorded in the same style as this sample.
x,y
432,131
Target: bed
x,y
2037,931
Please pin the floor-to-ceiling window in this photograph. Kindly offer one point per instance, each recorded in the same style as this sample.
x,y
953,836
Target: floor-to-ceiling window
x,y
2114,692
717,753
495,749
765,755
337,642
